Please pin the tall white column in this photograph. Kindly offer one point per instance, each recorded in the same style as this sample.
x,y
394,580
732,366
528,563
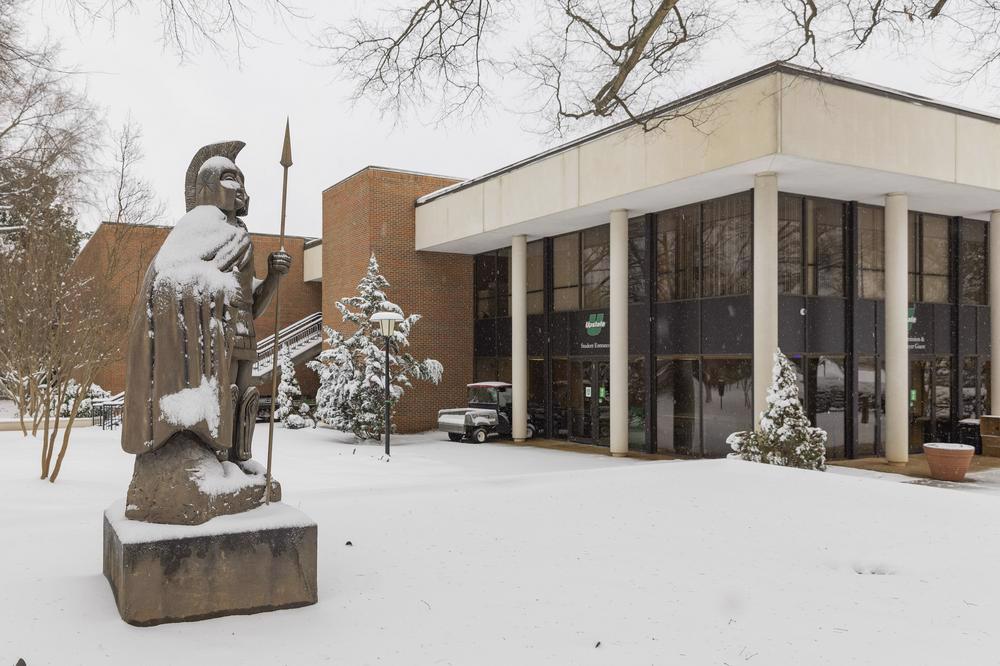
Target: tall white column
x,y
519,336
994,270
897,364
619,332
765,286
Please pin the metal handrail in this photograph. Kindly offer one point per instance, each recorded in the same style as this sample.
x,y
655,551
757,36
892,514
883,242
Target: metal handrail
x,y
309,321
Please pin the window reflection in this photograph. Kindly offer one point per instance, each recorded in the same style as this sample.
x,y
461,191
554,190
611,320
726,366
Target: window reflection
x,y
566,272
726,401
637,404
871,252
678,254
973,266
678,415
596,267
727,246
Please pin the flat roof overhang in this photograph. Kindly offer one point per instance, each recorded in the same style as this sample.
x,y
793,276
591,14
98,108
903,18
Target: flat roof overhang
x,y
795,176
821,137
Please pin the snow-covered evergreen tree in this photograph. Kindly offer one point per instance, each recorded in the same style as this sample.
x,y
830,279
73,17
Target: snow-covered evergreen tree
x,y
351,396
785,436
288,386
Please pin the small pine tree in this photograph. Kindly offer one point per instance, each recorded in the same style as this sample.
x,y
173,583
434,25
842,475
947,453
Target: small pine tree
x,y
288,386
785,436
351,395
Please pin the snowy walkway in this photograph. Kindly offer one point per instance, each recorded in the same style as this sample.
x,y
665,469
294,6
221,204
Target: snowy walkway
x,y
492,554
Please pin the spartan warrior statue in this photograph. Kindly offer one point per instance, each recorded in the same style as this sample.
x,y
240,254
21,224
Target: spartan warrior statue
x,y
190,406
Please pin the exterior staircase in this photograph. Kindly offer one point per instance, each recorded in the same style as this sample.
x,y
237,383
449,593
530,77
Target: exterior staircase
x,y
304,339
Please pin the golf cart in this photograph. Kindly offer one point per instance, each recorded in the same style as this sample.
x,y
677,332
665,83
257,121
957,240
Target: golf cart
x,y
488,414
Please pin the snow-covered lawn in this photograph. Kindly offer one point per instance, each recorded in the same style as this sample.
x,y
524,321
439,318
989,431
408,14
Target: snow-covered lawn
x,y
493,554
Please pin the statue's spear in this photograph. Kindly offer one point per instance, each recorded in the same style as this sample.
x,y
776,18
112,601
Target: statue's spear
x,y
286,161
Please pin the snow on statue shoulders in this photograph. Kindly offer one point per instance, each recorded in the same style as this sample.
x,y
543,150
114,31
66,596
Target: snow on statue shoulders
x,y
200,253
786,437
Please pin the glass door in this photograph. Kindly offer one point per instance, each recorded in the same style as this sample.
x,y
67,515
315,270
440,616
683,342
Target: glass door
x,y
601,402
590,402
930,401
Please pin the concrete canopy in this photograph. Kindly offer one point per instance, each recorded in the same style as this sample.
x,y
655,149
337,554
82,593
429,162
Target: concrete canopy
x,y
823,136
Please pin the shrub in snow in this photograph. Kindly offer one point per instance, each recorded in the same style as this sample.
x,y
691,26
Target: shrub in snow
x,y
351,395
86,408
300,420
785,436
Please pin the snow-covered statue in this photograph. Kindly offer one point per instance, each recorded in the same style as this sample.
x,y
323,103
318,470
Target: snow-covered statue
x,y
190,405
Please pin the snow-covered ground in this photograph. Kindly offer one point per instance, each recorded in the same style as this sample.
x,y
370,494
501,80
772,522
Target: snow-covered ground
x,y
493,554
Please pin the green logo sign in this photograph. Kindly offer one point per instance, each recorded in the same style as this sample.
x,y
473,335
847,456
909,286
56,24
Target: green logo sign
x,y
911,318
595,324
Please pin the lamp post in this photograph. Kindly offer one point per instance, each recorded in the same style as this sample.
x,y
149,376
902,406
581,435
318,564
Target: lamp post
x,y
387,324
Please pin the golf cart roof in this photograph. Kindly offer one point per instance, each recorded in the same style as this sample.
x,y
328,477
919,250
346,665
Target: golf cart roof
x,y
488,385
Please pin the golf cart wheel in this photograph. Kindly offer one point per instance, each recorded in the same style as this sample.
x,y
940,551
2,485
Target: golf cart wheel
x,y
455,436
531,432
479,435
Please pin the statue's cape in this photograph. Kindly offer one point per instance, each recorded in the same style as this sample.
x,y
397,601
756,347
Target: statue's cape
x,y
180,339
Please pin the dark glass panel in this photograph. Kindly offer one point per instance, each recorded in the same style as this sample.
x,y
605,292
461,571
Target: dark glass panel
x,y
824,230
726,401
871,252
503,282
503,369
486,285
637,404
485,369
566,272
972,266
826,381
942,399
678,406
971,409
637,273
677,254
536,394
869,411
912,252
789,244
985,387
934,258
596,267
536,277
560,397
727,246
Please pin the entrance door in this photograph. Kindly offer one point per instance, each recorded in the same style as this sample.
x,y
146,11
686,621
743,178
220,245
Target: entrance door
x,y
590,419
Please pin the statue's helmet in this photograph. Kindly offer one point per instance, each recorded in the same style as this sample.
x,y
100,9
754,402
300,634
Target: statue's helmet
x,y
214,179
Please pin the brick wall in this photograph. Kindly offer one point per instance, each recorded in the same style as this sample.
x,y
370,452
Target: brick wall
x,y
373,212
131,248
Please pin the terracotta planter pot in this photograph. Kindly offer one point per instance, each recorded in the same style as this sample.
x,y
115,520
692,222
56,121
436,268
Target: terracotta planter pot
x,y
948,462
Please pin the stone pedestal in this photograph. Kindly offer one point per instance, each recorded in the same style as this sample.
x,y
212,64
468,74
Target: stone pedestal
x,y
260,560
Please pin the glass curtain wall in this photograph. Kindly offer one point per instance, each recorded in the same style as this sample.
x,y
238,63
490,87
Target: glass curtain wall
x,y
871,252
810,246
928,258
566,272
973,267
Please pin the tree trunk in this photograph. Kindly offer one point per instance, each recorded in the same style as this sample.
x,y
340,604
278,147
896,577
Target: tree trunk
x,y
84,390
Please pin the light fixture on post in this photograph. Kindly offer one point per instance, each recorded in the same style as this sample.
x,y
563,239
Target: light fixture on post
x,y
387,325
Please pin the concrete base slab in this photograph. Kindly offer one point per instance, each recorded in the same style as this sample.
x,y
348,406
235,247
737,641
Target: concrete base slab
x,y
260,560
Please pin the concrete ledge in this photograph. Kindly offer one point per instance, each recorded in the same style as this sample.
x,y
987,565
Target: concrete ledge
x,y
9,425
257,561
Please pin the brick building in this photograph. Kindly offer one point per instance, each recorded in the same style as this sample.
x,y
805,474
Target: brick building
x,y
131,248
372,213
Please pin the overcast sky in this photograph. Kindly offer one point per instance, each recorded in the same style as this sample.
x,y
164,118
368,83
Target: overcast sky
x,y
184,105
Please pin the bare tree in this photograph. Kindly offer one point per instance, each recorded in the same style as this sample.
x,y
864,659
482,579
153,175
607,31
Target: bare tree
x,y
188,25
605,60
